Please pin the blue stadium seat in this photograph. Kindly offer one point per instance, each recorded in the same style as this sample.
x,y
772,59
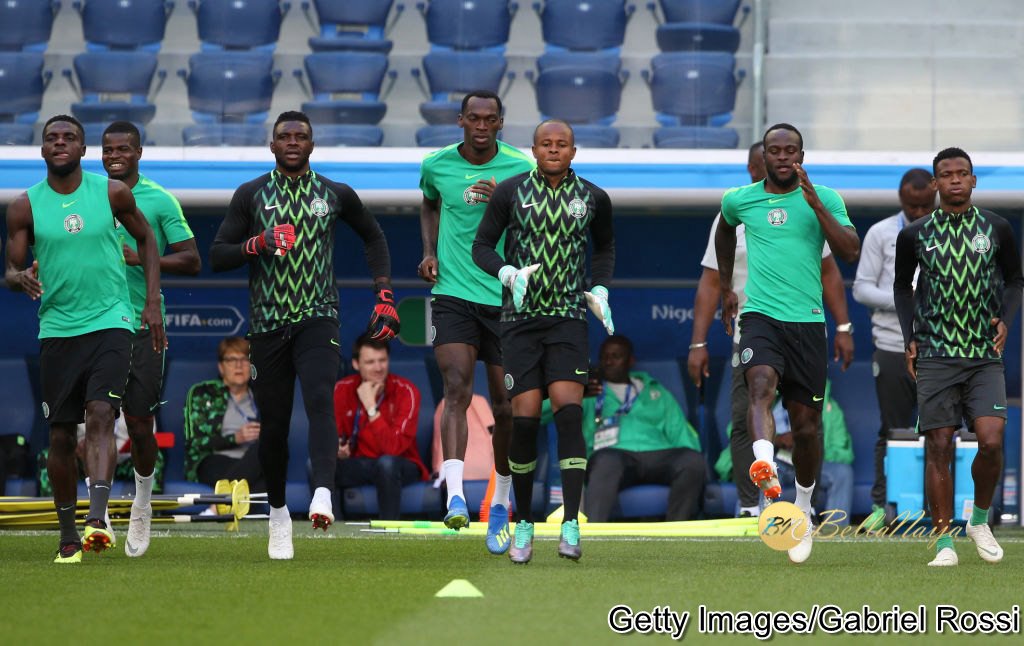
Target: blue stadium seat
x,y
22,82
722,12
27,24
468,24
695,137
352,26
854,391
345,87
20,414
591,136
239,24
697,37
114,86
609,61
334,134
230,87
450,75
584,25
579,94
104,23
692,88
16,134
225,134
94,132
179,376
438,136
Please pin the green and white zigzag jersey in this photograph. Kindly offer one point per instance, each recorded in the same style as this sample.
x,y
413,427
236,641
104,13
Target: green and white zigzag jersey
x,y
549,226
163,212
81,264
966,259
784,249
446,175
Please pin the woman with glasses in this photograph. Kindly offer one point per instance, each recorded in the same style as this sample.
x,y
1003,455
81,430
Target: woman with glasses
x,y
222,426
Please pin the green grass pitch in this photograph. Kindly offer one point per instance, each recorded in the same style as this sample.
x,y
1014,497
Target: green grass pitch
x,y
206,586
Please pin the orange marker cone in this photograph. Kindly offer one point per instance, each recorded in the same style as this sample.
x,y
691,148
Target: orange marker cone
x,y
485,504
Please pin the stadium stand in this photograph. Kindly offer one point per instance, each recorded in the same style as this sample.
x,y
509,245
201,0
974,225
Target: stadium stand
x,y
697,37
230,87
22,82
32,21
450,74
586,97
345,87
695,137
104,21
19,415
457,24
114,86
239,24
722,12
694,89
582,25
225,134
357,26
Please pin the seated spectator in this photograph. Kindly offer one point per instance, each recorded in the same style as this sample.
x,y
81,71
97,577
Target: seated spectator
x,y
222,426
125,469
479,461
376,413
636,433
834,492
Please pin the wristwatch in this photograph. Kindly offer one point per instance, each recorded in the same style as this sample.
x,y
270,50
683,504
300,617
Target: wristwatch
x,y
371,412
845,327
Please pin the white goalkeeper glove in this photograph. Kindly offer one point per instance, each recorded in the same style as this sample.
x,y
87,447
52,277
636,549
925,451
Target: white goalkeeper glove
x,y
597,301
516,280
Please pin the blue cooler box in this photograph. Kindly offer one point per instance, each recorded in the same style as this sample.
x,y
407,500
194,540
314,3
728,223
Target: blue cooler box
x,y
904,474
963,492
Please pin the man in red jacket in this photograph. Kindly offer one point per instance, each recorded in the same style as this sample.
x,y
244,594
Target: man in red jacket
x,y
376,413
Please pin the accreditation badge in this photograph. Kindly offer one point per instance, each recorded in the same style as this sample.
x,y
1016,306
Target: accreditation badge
x,y
608,435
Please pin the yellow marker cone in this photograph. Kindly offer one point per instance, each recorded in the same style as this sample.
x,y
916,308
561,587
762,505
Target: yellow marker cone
x,y
459,588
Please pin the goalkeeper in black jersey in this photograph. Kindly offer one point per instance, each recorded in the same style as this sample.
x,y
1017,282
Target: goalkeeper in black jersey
x,y
545,215
954,328
282,225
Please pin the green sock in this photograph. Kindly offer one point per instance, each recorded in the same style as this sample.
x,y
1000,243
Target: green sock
x,y
944,541
979,516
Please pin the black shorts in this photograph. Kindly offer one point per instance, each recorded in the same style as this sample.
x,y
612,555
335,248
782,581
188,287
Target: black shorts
x,y
951,390
543,350
797,351
456,320
74,370
142,394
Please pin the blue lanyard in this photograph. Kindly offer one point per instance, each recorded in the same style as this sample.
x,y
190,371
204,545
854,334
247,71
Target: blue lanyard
x,y
249,400
355,421
624,408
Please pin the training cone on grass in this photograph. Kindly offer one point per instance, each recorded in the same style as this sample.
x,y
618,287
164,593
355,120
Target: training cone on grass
x,y
485,504
459,588
557,515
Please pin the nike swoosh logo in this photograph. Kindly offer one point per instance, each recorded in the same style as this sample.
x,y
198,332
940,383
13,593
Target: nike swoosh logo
x,y
472,176
65,205
932,248
131,548
333,342
580,372
270,207
989,552
817,399
529,204
773,200
110,394
575,462
996,407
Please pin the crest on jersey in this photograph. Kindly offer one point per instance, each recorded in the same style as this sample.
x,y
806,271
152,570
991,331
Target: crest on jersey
x,y
777,217
73,223
509,382
577,208
319,207
46,410
747,355
252,371
981,243
469,197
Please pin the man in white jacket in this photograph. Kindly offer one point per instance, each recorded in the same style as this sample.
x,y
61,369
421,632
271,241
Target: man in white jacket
x,y
873,288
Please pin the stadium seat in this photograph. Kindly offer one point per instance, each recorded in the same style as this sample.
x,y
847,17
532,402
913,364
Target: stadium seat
x,y
722,12
468,24
609,61
225,134
697,37
591,136
94,132
584,25
345,87
22,83
438,136
114,86
239,24
854,391
450,75
579,95
692,88
334,134
20,411
104,23
27,24
230,87
16,134
179,376
695,137
354,26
